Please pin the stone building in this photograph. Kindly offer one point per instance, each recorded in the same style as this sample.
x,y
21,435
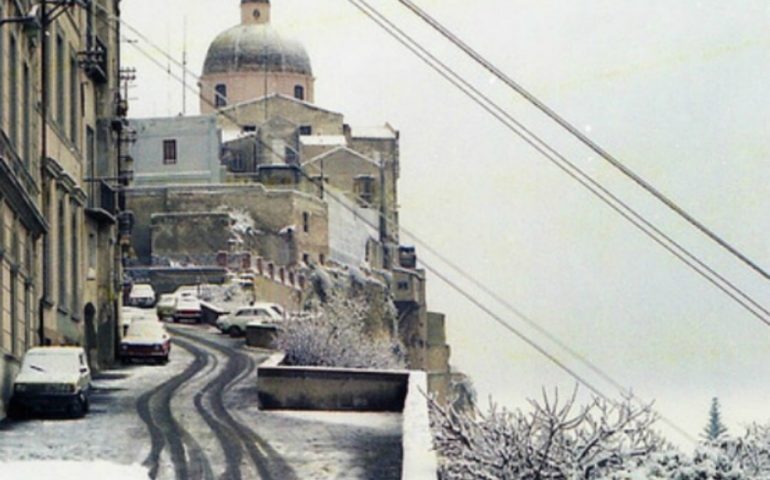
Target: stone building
x,y
59,112
176,150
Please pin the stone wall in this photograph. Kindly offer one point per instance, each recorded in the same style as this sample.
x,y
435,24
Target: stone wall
x,y
301,218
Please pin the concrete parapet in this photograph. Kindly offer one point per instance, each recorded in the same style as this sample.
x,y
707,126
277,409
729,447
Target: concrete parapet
x,y
314,388
419,457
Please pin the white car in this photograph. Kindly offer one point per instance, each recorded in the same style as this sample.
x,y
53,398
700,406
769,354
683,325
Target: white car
x,y
142,295
264,313
166,305
146,340
128,315
52,379
187,308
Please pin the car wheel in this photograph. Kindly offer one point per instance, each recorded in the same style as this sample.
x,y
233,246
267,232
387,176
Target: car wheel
x,y
79,407
86,405
234,331
15,411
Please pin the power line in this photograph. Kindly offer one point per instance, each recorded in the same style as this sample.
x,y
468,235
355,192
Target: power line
x,y
622,208
489,66
583,381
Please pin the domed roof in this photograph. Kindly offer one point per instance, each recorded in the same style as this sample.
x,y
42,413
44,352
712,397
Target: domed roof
x,y
255,48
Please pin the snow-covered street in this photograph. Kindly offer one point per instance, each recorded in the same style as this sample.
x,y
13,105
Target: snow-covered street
x,y
197,418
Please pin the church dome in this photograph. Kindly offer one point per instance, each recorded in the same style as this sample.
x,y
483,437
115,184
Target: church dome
x,y
256,48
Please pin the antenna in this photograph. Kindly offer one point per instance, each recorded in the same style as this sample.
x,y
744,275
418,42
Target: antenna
x,y
184,67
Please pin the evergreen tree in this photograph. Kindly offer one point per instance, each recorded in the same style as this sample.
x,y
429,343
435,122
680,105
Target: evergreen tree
x,y
715,428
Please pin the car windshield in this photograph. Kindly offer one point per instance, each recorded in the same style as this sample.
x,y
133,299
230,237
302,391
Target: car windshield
x,y
48,362
167,300
145,329
187,302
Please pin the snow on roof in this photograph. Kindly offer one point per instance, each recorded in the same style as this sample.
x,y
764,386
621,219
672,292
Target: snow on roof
x,y
381,132
323,140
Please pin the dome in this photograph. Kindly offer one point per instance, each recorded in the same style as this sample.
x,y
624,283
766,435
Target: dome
x,y
256,48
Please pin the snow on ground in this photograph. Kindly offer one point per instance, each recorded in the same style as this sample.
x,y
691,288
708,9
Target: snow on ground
x,y
71,471
111,432
333,445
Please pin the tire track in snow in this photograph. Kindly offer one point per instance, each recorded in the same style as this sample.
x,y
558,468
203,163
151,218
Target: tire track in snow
x,y
268,462
154,408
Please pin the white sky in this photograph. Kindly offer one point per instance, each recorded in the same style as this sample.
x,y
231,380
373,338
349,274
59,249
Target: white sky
x,y
677,90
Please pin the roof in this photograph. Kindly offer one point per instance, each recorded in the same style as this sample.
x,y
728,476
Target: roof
x,y
256,48
323,140
337,150
385,132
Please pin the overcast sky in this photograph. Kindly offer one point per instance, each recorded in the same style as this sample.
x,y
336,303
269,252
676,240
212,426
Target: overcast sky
x,y
677,90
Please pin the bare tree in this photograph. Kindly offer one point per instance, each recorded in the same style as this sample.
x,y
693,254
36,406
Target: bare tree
x,y
557,440
334,334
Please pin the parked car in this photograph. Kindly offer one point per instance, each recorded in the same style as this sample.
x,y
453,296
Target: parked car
x,y
166,305
146,340
265,313
52,379
187,309
142,295
130,314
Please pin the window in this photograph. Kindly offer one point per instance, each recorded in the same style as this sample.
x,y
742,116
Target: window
x,y
60,83
220,95
169,152
27,317
305,222
13,93
26,113
305,130
47,239
15,311
90,167
74,100
364,188
299,92
62,252
75,259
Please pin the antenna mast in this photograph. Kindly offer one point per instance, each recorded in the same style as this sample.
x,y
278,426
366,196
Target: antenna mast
x,y
184,68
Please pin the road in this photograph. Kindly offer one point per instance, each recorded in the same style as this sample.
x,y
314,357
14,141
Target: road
x,y
197,418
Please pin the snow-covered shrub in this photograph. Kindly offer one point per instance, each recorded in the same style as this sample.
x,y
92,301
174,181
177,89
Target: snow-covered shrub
x,y
603,440
334,334
557,440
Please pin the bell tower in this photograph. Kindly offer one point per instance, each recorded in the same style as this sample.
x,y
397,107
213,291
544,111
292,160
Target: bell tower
x,y
255,12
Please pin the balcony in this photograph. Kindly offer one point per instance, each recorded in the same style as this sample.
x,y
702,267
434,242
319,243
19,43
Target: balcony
x,y
15,163
94,60
18,187
102,202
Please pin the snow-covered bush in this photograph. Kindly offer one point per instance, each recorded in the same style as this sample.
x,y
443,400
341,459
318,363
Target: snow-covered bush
x,y
334,334
603,440
557,440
